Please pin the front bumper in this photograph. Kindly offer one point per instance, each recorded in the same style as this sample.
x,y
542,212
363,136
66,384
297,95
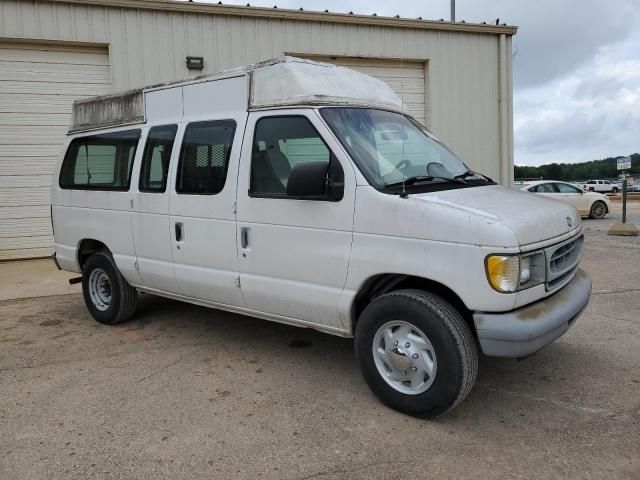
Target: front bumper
x,y
526,330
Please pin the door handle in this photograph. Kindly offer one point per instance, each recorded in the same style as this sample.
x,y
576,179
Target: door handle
x,y
179,231
244,237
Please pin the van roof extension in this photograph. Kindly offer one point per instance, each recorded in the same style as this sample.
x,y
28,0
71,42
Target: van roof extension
x,y
283,81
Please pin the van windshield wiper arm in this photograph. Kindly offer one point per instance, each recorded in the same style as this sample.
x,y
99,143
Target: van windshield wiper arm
x,y
424,178
470,173
466,174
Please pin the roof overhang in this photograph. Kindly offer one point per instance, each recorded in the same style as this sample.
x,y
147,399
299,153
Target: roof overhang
x,y
299,15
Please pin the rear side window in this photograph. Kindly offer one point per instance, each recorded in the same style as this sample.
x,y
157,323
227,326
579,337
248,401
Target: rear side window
x,y
543,188
100,162
156,157
204,157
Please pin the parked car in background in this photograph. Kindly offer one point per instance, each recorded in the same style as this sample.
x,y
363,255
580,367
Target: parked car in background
x,y
602,186
592,204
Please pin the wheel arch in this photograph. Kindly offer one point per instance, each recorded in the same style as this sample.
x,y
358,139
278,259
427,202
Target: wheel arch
x,y
87,247
380,284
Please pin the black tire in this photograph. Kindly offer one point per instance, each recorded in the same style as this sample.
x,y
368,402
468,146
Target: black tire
x,y
452,341
122,304
598,210
614,190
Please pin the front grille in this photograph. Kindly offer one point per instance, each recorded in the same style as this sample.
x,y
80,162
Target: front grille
x,y
565,256
562,262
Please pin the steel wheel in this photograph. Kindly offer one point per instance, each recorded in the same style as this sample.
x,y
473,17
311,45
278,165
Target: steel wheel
x,y
100,289
404,357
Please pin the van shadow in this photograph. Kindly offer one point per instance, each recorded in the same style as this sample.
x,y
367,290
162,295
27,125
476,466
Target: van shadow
x,y
183,324
308,354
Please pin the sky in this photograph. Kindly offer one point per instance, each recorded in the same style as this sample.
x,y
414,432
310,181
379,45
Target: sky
x,y
576,68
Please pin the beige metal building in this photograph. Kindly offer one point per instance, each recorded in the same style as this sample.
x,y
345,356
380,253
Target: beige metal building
x,y
453,77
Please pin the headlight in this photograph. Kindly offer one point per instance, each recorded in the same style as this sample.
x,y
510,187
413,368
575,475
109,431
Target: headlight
x,y
503,272
525,270
510,273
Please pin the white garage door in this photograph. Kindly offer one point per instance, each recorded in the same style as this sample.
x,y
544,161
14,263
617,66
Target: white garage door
x,y
406,78
38,84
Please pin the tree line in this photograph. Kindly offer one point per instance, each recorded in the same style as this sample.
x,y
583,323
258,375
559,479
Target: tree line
x,y
569,172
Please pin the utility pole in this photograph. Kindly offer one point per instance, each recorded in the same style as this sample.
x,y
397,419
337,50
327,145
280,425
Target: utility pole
x,y
453,10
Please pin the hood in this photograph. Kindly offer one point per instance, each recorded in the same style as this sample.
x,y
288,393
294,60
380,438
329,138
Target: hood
x,y
530,217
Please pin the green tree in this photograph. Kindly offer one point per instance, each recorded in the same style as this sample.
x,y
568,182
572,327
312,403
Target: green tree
x,y
605,168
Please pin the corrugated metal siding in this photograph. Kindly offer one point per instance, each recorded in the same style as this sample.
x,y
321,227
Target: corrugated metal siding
x,y
151,46
145,46
37,86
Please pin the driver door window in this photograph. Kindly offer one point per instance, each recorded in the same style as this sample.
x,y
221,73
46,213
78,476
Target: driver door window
x,y
572,195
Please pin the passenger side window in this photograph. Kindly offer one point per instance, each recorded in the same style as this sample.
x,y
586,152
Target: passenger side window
x,y
279,144
100,162
564,188
204,157
156,157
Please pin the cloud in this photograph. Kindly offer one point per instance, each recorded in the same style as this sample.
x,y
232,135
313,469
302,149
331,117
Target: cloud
x,y
591,113
556,37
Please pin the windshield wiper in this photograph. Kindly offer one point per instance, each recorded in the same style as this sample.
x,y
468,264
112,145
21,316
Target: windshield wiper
x,y
466,174
470,173
424,178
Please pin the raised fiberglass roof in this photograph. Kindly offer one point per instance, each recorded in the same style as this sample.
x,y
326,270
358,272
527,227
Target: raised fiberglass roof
x,y
292,80
283,81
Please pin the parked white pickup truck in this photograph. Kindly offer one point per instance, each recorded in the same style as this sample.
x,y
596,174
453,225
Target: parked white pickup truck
x,y
303,193
600,186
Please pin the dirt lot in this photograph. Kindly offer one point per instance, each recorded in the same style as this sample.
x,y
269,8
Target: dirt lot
x,y
185,392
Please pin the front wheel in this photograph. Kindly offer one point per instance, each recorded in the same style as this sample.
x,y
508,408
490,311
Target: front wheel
x,y
108,296
598,210
416,353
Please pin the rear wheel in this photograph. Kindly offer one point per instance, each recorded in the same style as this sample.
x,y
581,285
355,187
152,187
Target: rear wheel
x,y
108,296
416,353
614,190
598,210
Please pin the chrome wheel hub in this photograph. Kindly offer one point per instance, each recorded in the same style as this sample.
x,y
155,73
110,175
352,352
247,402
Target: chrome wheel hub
x,y
100,289
404,357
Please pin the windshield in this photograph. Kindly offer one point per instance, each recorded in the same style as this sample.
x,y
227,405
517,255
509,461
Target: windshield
x,y
390,149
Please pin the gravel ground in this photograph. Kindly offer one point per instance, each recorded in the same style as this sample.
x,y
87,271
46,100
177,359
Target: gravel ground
x,y
187,392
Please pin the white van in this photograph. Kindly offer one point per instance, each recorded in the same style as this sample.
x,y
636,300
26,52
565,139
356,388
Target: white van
x,y
300,192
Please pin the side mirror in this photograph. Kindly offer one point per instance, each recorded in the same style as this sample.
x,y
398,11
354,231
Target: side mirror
x,y
308,180
316,181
